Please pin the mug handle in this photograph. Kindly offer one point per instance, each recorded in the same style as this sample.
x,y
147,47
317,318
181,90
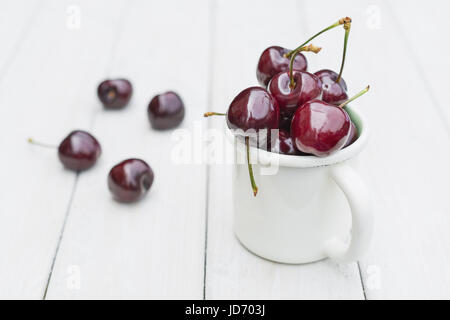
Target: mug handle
x,y
362,219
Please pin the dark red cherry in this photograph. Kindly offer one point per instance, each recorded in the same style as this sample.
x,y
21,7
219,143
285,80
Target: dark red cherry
x,y
130,180
115,94
273,61
332,92
289,99
165,111
253,109
320,128
353,134
79,151
284,144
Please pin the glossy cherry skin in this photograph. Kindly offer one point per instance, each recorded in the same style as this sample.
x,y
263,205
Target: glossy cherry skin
x,y
115,94
253,109
289,99
79,151
273,61
130,180
320,128
332,91
165,111
353,135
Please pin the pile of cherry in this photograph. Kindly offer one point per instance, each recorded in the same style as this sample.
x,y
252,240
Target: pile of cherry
x,y
294,112
130,179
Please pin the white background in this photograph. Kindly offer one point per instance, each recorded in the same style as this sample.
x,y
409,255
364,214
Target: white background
x,y
61,234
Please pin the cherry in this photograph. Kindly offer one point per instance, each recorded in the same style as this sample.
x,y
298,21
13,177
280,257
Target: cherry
x,y
250,112
273,60
289,98
166,111
332,91
130,180
321,128
284,144
78,151
253,109
292,88
115,94
353,135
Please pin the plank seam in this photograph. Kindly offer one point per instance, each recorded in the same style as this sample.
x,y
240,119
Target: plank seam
x,y
363,287
58,245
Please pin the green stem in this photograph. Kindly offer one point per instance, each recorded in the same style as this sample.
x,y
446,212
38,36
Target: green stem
x,y
209,114
334,25
347,32
310,48
356,96
45,145
250,167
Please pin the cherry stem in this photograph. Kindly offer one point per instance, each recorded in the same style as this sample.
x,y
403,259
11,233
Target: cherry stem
x,y
356,96
334,25
347,32
250,167
309,48
40,144
209,114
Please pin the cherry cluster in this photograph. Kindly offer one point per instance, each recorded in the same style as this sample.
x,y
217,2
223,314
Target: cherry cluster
x,y
306,110
130,179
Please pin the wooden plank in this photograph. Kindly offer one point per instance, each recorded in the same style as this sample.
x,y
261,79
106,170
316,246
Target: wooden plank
x,y
16,19
154,248
233,272
405,162
45,92
422,26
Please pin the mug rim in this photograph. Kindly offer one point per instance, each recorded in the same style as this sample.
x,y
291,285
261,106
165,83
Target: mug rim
x,y
265,158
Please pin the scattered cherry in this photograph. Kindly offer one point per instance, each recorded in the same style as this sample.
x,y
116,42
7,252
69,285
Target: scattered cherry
x,y
78,151
115,94
273,60
166,111
321,128
130,180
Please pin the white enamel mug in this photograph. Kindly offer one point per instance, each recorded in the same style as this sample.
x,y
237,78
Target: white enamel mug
x,y
310,209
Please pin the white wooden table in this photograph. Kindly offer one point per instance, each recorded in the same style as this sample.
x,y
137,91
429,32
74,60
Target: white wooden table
x,y
62,236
